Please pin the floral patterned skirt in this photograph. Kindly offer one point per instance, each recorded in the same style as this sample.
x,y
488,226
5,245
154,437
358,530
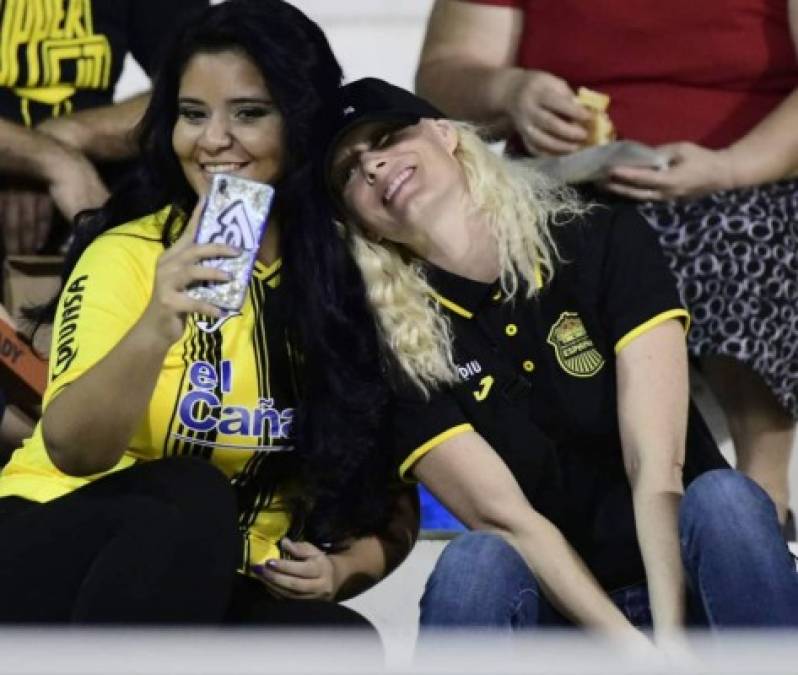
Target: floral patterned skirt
x,y
735,257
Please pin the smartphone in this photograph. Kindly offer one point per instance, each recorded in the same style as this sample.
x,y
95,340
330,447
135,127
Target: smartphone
x,y
235,214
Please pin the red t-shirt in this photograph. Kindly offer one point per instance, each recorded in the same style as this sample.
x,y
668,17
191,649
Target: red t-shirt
x,y
697,70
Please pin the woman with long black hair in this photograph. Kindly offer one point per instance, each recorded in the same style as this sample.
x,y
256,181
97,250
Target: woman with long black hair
x,y
188,469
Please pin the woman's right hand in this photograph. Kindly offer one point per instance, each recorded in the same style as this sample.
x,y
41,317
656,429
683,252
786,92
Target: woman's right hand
x,y
545,113
179,267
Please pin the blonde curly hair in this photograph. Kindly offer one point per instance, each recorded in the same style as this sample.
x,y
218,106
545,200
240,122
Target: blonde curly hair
x,y
520,205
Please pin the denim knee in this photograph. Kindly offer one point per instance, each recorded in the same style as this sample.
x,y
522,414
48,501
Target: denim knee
x,y
738,568
479,580
479,552
724,504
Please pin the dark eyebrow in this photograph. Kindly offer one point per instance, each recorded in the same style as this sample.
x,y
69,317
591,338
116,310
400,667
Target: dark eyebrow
x,y
244,100
247,99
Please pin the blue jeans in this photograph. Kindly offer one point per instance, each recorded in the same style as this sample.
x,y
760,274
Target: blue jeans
x,y
738,569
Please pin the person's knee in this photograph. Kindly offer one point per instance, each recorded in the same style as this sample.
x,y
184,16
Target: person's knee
x,y
149,568
478,579
721,503
477,553
197,502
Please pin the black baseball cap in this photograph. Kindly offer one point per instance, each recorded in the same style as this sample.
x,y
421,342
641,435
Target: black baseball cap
x,y
373,100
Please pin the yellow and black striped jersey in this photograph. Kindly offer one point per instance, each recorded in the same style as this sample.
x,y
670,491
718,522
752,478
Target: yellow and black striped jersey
x,y
225,392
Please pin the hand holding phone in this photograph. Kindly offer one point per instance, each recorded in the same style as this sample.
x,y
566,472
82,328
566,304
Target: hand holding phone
x,y
178,268
235,214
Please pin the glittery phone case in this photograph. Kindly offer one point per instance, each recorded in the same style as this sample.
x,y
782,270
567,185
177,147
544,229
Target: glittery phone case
x,y
234,214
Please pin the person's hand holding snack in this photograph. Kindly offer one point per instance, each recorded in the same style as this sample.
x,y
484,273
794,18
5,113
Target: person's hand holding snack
x,y
600,129
544,110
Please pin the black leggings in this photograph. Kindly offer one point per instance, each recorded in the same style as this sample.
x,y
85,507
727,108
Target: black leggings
x,y
155,543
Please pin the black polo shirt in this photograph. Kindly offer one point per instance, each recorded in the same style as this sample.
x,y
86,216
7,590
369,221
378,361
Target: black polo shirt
x,y
538,382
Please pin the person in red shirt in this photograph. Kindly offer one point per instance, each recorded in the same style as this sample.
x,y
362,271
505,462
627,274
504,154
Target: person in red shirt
x,y
713,86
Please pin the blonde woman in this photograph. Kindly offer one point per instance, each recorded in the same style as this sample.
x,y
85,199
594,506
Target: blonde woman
x,y
539,358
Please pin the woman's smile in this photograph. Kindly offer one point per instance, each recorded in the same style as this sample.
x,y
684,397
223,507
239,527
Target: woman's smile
x,y
212,168
397,183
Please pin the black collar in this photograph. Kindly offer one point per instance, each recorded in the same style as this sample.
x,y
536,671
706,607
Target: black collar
x,y
457,294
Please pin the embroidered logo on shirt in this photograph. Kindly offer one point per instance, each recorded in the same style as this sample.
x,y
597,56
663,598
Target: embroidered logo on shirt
x,y
575,351
484,388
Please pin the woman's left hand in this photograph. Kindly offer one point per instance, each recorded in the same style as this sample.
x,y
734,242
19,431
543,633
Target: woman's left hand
x,y
692,171
310,575
677,652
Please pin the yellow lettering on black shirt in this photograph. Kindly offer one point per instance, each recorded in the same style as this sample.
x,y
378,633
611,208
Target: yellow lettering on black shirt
x,y
49,50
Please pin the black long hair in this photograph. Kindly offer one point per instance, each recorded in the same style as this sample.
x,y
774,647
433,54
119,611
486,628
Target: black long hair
x,y
342,395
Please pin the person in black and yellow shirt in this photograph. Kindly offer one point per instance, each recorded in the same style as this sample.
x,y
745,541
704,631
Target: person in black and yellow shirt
x,y
63,138
62,135
188,468
541,379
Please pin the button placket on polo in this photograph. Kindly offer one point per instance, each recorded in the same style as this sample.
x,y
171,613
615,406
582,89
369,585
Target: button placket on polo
x,y
516,347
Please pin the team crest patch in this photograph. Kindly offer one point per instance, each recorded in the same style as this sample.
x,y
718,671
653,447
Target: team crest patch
x,y
575,351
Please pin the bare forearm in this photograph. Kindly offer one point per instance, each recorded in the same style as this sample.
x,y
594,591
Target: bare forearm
x,y
103,133
467,60
88,426
466,474
652,415
567,582
656,509
70,178
25,151
769,152
451,85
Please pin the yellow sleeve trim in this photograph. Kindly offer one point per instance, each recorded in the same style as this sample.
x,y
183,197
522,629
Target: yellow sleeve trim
x,y
462,311
654,321
422,450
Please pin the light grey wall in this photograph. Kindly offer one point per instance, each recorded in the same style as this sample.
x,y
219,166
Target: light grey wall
x,y
370,37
